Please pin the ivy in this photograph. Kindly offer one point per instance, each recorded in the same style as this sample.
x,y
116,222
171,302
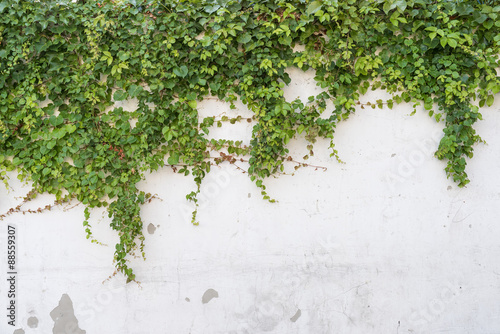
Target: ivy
x,y
79,58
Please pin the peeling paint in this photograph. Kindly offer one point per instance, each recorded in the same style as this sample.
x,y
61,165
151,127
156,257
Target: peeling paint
x,y
64,318
209,295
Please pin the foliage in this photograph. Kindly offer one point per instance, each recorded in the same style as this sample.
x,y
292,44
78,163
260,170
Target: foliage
x,y
83,56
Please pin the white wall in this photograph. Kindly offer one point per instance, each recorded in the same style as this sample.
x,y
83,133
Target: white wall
x,y
381,244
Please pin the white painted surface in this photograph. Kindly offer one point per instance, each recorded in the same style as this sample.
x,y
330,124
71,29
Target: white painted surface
x,y
381,244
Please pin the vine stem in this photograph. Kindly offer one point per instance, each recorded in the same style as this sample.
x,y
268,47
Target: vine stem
x,y
29,197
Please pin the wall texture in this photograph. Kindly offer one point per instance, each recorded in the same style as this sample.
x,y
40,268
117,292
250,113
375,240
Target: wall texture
x,y
381,244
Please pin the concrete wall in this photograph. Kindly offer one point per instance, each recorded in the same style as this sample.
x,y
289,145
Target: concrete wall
x,y
381,244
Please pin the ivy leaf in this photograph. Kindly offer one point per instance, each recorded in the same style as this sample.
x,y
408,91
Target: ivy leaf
x,y
181,71
388,6
173,159
443,41
495,89
245,38
134,90
489,100
70,128
464,9
16,161
59,133
51,144
3,4
120,95
300,129
488,24
56,120
211,9
314,7
401,4
481,18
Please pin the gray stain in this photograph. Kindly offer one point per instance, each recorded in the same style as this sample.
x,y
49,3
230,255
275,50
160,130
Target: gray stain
x,y
18,331
209,295
33,322
64,318
296,316
151,229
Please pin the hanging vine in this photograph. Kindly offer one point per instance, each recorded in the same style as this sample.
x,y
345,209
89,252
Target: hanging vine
x,y
81,57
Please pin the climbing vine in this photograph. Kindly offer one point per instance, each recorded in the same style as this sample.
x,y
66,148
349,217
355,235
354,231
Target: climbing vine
x,y
63,65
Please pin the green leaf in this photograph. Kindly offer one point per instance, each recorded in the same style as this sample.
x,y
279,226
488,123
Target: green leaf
x,y
464,9
3,4
120,95
401,4
211,9
134,90
443,41
489,100
453,43
173,159
488,24
245,38
388,6
56,120
300,129
181,71
51,144
70,128
314,7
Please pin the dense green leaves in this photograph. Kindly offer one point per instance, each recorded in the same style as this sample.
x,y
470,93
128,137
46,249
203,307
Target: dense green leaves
x,y
63,65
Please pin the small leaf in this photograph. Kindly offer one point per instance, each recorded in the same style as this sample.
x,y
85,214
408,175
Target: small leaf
x,y
3,4
173,159
489,100
211,9
181,71
245,38
51,144
120,95
314,7
488,24
135,90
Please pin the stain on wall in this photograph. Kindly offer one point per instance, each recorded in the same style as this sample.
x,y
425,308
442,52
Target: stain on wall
x,y
209,295
64,318
296,315
19,331
33,322
151,229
